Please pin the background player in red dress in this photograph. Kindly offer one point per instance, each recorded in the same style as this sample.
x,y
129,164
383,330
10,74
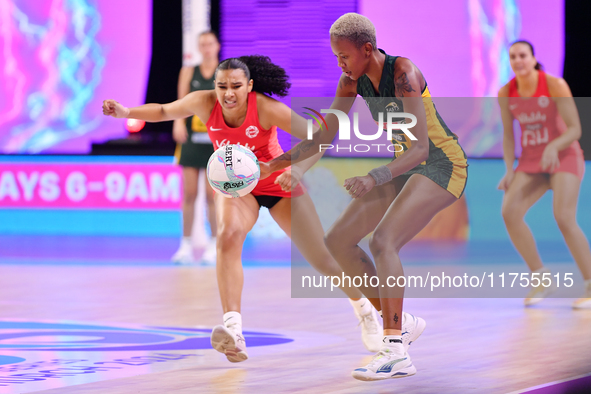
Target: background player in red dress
x,y
241,111
551,158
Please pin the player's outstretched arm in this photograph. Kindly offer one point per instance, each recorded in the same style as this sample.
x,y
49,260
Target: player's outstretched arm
x,y
191,104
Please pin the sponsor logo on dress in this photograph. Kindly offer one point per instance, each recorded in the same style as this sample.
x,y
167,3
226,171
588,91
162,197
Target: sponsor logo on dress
x,y
224,142
535,137
252,131
532,117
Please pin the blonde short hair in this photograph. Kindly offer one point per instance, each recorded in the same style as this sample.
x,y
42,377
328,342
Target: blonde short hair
x,y
355,28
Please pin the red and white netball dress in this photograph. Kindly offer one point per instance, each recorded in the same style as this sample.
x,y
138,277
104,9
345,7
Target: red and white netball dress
x,y
253,136
540,124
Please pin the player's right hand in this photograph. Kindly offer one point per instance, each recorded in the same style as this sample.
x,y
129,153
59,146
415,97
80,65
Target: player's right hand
x,y
114,109
179,131
506,181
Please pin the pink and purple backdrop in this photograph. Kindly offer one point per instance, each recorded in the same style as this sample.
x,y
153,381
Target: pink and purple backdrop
x,y
58,60
462,45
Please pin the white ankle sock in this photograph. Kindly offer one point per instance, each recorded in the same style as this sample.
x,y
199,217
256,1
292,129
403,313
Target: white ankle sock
x,y
233,319
186,241
362,306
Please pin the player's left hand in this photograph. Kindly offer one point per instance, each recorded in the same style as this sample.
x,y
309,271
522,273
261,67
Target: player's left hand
x,y
359,185
550,160
288,180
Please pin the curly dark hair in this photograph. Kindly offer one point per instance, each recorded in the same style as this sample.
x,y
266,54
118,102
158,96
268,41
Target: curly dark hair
x,y
268,78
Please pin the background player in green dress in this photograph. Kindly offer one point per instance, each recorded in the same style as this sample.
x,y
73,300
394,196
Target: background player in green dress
x,y
195,148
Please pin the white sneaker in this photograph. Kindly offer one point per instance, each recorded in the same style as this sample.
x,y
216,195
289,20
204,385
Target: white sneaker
x,y
537,294
184,255
585,301
412,328
210,254
385,365
371,331
230,342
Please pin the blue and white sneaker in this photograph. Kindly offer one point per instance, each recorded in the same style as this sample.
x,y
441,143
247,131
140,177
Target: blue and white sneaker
x,y
387,364
412,328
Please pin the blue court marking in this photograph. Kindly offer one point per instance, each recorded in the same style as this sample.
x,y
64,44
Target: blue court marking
x,y
98,222
70,337
5,360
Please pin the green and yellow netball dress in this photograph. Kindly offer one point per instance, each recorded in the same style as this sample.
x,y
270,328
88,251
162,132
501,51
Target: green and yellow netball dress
x,y
447,164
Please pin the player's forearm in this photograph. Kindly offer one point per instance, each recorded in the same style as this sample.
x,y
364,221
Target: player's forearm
x,y
183,90
509,151
184,82
572,134
302,151
415,155
305,165
150,113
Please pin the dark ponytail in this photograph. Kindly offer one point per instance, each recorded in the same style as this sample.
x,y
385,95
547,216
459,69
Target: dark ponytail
x,y
268,78
531,47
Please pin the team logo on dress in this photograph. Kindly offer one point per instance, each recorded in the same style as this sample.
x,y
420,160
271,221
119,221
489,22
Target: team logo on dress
x,y
392,107
397,137
252,131
543,101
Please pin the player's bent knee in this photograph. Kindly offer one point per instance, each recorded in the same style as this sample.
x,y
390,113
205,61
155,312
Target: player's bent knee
x,y
511,214
230,237
380,243
189,197
331,240
565,220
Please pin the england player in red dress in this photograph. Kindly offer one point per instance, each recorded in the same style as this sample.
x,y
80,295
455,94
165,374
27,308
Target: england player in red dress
x,y
551,158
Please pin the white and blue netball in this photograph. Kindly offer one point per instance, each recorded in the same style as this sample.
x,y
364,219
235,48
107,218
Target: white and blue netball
x,y
233,171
